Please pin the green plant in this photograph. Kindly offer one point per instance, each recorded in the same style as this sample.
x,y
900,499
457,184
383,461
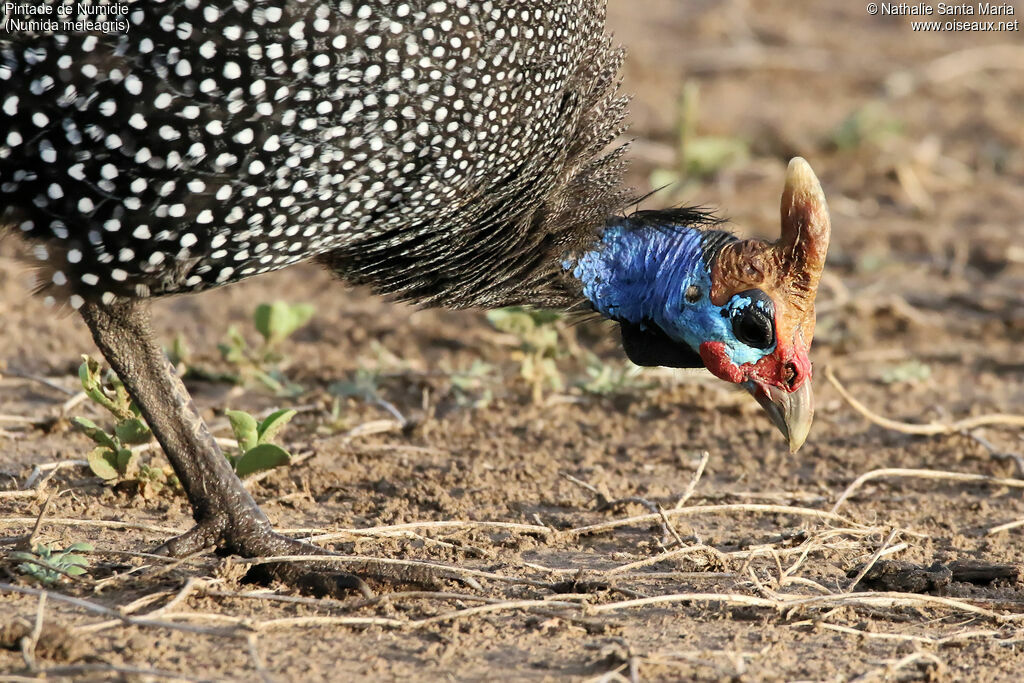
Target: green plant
x,y
871,124
364,385
274,322
539,345
256,450
911,371
112,459
49,566
180,355
471,387
610,378
697,156
115,458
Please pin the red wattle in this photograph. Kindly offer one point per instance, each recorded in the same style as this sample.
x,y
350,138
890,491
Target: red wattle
x,y
787,367
716,359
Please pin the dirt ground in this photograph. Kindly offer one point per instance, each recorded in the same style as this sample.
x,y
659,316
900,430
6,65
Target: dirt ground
x,y
552,564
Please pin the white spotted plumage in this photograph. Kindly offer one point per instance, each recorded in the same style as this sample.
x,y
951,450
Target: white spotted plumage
x,y
219,140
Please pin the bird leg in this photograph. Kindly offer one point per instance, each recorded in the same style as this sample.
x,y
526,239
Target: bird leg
x,y
226,515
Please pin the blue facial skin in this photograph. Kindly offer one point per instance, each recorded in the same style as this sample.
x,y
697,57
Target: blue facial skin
x,y
641,274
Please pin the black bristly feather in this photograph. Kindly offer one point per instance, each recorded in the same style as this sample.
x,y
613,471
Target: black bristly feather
x,y
682,217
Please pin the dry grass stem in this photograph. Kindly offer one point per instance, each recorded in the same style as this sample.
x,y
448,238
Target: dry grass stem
x,y
874,558
888,672
661,557
791,603
423,526
924,474
906,637
97,523
755,508
692,486
97,608
929,429
49,469
1005,527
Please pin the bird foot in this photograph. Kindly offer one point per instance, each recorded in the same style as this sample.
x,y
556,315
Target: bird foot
x,y
320,577
255,540
200,537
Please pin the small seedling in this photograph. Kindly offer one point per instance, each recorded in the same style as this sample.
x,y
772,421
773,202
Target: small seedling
x,y
256,450
364,385
871,125
275,322
609,378
472,386
912,371
113,460
180,355
698,156
539,345
49,566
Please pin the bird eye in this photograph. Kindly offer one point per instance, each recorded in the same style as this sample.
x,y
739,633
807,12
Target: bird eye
x,y
754,324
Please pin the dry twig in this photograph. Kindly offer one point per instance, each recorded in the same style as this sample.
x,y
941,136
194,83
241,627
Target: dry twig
x,y
929,429
923,474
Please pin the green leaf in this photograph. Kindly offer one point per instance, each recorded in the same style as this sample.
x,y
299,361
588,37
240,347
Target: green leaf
x,y
94,387
92,383
301,314
910,371
533,327
276,321
708,155
871,124
266,456
234,350
266,317
103,463
544,338
245,428
363,385
267,380
126,462
122,400
273,424
95,433
46,564
81,546
89,373
512,320
133,431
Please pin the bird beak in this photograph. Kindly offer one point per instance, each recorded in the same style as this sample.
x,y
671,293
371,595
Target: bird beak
x,y
791,412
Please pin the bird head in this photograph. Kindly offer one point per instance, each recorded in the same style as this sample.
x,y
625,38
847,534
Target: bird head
x,y
769,291
744,309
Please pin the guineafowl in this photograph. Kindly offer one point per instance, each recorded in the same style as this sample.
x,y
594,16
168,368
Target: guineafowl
x,y
448,152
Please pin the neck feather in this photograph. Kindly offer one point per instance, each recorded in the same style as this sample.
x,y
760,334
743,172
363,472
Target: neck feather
x,y
639,274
